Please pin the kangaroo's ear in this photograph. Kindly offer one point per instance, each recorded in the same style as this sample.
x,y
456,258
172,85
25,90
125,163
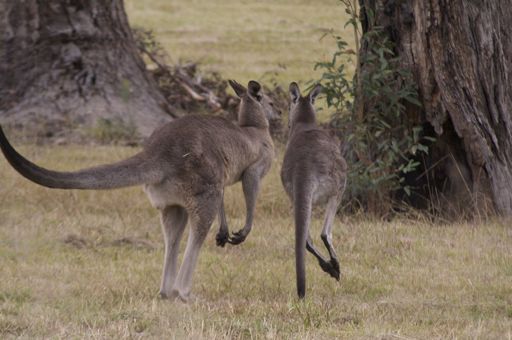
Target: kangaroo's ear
x,y
314,93
240,90
294,92
254,89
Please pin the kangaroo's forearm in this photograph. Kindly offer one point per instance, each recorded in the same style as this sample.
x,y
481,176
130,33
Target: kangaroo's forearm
x,y
251,186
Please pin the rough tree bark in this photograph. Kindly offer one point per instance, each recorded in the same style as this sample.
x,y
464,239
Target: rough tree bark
x,y
460,52
64,64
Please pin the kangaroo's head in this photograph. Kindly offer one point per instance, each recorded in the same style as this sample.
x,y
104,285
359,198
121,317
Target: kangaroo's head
x,y
271,110
301,108
256,108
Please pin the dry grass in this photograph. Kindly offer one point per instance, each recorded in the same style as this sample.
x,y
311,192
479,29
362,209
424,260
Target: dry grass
x,y
87,264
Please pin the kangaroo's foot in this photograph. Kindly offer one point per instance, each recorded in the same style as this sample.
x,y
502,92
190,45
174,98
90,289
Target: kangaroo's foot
x,y
238,237
175,295
333,263
223,235
222,238
169,295
336,268
183,298
332,267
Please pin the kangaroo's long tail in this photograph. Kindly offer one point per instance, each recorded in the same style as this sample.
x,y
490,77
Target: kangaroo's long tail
x,y
135,170
302,205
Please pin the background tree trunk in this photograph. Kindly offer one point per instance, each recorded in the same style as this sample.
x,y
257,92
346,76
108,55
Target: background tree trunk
x,y
65,64
460,53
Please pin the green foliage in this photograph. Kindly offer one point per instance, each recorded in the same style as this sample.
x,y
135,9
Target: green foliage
x,y
337,87
381,141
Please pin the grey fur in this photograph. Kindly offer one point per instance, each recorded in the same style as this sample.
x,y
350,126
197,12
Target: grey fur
x,y
184,168
313,172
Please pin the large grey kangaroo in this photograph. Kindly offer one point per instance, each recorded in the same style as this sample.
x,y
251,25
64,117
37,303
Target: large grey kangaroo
x,y
313,172
184,168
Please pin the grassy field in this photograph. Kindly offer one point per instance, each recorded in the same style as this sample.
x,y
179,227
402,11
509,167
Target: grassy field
x,y
262,40
87,264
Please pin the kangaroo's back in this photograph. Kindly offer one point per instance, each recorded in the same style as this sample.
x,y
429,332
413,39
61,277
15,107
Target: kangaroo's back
x,y
313,155
210,149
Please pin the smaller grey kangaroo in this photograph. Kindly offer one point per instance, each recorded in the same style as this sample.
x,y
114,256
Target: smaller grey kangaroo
x,y
184,168
313,172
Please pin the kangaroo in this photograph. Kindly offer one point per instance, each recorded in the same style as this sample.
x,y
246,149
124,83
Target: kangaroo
x,y
184,168
313,172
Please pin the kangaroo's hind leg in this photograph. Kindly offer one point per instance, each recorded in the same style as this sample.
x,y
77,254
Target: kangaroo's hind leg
x,y
202,215
174,220
330,213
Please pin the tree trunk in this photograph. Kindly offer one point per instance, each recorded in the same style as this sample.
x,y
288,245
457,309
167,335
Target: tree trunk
x,y
65,65
460,53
